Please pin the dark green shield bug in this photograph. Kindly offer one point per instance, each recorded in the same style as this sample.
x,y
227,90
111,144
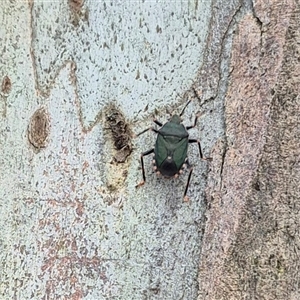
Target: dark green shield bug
x,y
170,151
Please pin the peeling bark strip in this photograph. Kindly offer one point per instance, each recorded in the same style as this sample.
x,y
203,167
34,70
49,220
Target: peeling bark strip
x,y
39,128
120,132
232,254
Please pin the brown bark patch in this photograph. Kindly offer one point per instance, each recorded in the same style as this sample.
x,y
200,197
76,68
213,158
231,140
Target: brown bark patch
x,y
75,5
78,12
6,85
39,128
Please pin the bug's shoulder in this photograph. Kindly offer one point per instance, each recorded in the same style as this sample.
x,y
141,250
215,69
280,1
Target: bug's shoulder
x,y
173,129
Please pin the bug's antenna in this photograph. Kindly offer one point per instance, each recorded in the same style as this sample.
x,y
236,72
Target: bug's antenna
x,y
185,108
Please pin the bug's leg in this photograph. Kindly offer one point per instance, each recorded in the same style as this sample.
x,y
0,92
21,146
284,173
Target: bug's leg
x,y
143,168
185,107
150,128
185,197
158,123
200,150
195,123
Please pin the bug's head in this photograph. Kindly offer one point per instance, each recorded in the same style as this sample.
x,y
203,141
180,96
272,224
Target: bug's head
x,y
175,119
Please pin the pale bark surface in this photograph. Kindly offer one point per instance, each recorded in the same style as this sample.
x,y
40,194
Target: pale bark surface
x,y
78,79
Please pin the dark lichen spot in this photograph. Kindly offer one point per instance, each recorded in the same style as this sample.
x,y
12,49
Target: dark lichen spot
x,y
120,132
6,85
39,128
256,185
137,74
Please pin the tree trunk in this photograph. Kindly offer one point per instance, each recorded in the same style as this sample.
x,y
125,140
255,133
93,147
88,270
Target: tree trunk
x,y
251,241
79,80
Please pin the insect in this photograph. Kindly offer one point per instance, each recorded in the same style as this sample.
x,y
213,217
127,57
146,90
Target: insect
x,y
170,151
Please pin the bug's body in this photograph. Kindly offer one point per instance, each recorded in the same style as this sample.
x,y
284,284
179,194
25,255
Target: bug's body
x,y
170,151
171,147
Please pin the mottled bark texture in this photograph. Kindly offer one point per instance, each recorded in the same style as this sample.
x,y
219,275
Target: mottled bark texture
x,y
251,242
78,79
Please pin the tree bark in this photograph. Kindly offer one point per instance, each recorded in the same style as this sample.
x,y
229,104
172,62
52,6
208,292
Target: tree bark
x,y
250,245
79,80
